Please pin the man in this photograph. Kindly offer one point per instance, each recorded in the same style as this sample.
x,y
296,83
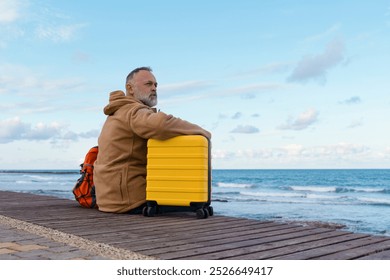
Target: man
x,y
120,168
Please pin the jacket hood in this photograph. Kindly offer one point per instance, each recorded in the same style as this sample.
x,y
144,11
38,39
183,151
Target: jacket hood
x,y
117,100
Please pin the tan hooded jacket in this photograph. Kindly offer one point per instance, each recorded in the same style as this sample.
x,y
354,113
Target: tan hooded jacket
x,y
120,168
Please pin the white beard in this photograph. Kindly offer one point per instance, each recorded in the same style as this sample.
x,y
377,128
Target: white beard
x,y
150,100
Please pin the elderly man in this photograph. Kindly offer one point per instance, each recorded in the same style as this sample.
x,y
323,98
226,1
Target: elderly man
x,y
120,168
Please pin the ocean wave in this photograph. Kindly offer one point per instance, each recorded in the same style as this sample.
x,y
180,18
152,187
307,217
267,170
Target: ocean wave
x,y
313,189
334,189
279,200
22,182
37,178
369,190
375,201
291,198
304,201
316,198
225,193
267,194
320,196
34,181
234,185
362,190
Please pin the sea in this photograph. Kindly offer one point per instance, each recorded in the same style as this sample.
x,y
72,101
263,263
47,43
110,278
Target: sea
x,y
357,200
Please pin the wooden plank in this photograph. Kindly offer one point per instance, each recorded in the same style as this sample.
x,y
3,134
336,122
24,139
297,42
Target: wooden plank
x,y
355,240
379,244
183,252
382,255
144,225
222,233
195,240
168,234
274,249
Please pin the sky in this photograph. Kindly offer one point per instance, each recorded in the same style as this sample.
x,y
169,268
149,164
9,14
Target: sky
x,y
280,84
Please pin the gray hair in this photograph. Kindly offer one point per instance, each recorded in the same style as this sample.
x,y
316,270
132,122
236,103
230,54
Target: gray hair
x,y
136,70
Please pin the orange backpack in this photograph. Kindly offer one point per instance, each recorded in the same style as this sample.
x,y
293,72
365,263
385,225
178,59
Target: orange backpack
x,y
84,190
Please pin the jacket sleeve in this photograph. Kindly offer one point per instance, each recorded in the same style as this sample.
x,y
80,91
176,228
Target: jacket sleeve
x,y
148,124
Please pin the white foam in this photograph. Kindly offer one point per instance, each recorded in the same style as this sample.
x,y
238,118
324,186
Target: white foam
x,y
313,189
266,194
374,200
369,190
233,185
320,196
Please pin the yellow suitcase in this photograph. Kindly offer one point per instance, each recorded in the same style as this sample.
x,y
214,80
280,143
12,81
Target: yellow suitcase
x,y
179,175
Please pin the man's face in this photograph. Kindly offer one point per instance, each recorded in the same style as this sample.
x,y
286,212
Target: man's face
x,y
144,88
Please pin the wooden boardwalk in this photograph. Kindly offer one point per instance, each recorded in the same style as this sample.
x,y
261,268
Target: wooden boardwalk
x,y
182,236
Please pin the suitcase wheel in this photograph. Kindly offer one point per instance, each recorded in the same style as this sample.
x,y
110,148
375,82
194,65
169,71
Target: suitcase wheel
x,y
202,213
149,211
211,210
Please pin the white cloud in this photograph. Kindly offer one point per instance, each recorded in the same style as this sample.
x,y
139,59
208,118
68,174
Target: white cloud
x,y
15,129
183,92
38,22
354,124
195,90
12,129
299,152
326,34
184,87
42,131
20,79
58,33
338,150
316,66
248,129
293,150
221,154
255,154
386,153
237,115
268,69
9,11
352,100
254,89
303,121
90,134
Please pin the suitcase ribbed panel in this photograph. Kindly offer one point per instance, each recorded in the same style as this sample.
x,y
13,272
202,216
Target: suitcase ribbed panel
x,y
178,171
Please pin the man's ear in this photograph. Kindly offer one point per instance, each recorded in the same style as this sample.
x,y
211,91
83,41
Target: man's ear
x,y
129,89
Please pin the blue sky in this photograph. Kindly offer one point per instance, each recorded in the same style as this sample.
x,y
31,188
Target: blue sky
x,y
280,84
